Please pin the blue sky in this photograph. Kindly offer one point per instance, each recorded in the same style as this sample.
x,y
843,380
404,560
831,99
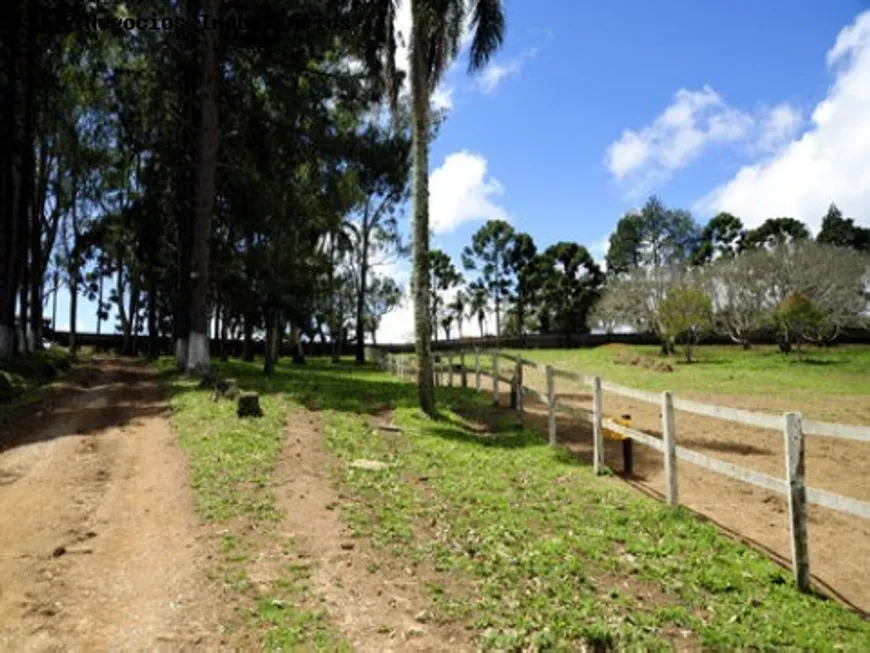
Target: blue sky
x,y
713,106
759,108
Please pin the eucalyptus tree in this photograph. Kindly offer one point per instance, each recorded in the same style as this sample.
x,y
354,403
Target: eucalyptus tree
x,y
383,297
382,166
436,34
654,237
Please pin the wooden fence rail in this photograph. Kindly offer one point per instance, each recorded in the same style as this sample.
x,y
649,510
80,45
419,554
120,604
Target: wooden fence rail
x,y
793,427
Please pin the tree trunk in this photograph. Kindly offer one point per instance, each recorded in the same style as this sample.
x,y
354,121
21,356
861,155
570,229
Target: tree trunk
x,y
135,292
37,262
23,292
54,301
296,337
248,344
100,305
361,295
198,349
217,320
223,347
420,98
184,181
123,315
152,315
17,124
271,337
73,307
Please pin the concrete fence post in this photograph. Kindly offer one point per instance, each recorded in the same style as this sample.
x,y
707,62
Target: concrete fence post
x,y
551,405
450,370
670,452
597,430
797,499
462,371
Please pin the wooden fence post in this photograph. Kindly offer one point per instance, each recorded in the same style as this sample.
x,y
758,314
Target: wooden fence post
x,y
462,371
519,376
597,431
551,405
477,369
797,499
450,370
495,376
670,452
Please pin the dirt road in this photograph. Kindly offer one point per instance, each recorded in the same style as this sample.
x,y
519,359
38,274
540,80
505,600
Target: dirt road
x,y
100,549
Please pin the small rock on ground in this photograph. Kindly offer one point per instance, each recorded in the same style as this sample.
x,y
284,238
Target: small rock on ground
x,y
371,465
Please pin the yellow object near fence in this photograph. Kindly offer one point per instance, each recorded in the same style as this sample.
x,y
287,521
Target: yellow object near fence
x,y
627,448
625,421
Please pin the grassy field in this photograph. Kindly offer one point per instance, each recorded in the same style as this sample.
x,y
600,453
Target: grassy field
x,y
527,549
842,370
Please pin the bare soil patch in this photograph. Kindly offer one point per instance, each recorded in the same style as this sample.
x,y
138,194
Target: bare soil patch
x,y
101,548
839,544
379,606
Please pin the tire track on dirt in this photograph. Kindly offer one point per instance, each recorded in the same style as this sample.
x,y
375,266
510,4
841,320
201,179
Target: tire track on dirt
x,y
100,548
376,611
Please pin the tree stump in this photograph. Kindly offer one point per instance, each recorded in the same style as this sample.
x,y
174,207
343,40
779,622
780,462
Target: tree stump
x,y
249,405
226,389
209,380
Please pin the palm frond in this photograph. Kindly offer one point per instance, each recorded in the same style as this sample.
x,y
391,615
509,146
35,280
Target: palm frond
x,y
487,28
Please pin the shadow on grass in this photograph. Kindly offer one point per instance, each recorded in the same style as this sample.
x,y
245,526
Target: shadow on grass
x,y
814,361
346,387
317,385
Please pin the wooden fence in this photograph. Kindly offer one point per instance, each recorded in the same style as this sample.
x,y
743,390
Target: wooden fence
x,y
793,427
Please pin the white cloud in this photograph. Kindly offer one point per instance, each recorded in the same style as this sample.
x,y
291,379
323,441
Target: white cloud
x,y
694,120
495,72
460,191
829,162
778,127
442,98
627,154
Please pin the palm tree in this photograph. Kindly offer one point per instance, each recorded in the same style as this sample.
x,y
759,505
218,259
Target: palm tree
x,y
436,34
478,297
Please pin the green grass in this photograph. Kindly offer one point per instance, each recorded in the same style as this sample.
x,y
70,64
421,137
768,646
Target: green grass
x,y
841,370
232,462
531,551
